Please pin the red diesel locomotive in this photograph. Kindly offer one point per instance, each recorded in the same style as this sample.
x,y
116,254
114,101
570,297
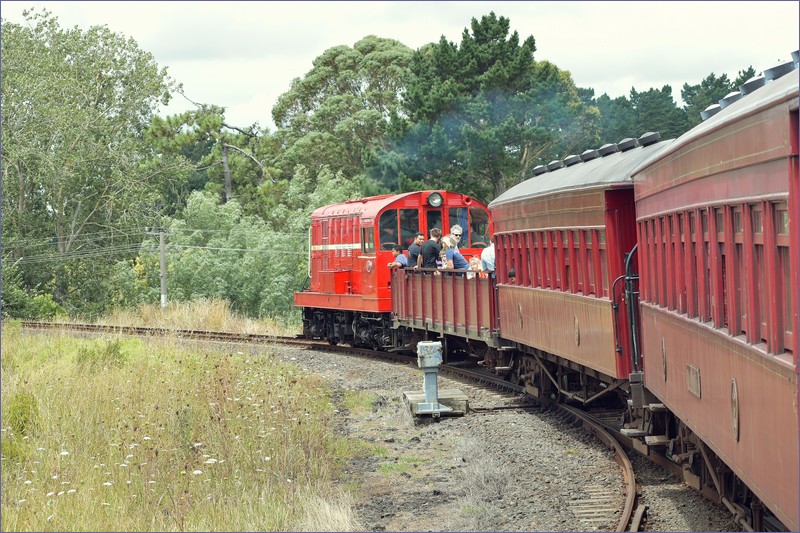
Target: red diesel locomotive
x,y
349,299
659,274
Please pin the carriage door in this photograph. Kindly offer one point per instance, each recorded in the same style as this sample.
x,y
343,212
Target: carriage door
x,y
434,220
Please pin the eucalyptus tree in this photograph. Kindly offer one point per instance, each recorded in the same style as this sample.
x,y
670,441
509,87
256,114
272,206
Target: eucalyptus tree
x,y
478,116
75,160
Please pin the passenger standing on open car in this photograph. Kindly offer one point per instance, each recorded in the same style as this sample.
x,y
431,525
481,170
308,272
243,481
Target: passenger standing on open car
x,y
452,258
455,234
487,257
400,260
415,249
430,250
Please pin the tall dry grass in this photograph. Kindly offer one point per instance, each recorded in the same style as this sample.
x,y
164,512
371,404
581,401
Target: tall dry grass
x,y
144,435
208,315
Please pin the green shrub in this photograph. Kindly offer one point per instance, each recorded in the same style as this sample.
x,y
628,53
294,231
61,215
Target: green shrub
x,y
106,355
14,450
22,413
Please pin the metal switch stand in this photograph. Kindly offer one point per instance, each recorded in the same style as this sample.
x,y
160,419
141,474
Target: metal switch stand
x,y
429,359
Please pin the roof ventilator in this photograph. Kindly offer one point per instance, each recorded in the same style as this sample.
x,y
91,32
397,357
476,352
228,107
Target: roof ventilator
x,y
651,137
729,99
710,111
626,144
539,169
609,148
778,70
751,85
553,165
571,160
588,155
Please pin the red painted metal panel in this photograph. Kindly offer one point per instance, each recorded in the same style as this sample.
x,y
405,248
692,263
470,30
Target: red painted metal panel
x,y
578,328
560,210
733,275
715,267
773,300
324,300
445,303
794,249
754,140
753,327
765,454
691,267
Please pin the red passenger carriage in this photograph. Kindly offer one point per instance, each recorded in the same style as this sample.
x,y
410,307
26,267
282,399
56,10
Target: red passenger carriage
x,y
717,223
566,233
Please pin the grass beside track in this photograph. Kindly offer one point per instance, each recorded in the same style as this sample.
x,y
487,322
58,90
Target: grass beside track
x,y
116,434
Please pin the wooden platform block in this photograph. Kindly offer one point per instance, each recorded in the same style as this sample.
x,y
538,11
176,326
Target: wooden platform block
x,y
633,432
656,440
452,398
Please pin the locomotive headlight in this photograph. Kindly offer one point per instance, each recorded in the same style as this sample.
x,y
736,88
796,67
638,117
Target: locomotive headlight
x,y
435,199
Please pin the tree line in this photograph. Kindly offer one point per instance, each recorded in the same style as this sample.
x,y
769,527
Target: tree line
x,y
89,167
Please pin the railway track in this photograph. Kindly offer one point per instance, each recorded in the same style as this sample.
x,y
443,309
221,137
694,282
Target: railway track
x,y
592,510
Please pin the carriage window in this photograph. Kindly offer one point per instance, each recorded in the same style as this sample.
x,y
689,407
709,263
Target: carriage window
x,y
409,226
388,229
367,240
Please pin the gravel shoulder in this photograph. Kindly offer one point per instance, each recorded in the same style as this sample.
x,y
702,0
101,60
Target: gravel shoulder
x,y
507,471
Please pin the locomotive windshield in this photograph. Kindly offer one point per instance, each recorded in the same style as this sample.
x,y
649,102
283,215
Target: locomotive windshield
x,y
475,222
405,225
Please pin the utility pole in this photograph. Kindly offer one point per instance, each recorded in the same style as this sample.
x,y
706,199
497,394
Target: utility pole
x,y
163,254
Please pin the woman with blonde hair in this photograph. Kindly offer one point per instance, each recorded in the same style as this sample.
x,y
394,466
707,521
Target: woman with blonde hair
x,y
451,257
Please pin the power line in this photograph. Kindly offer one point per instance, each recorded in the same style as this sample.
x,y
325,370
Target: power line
x,y
138,248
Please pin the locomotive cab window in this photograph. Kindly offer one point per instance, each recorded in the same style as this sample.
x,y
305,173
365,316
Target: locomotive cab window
x,y
388,230
409,226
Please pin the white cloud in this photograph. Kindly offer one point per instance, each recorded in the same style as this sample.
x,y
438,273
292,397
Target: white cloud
x,y
243,55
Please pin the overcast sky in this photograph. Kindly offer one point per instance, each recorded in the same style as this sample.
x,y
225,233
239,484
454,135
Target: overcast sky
x,y
244,55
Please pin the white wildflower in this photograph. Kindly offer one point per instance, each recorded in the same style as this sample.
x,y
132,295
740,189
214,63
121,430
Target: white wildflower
x,y
107,483
65,453
197,472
